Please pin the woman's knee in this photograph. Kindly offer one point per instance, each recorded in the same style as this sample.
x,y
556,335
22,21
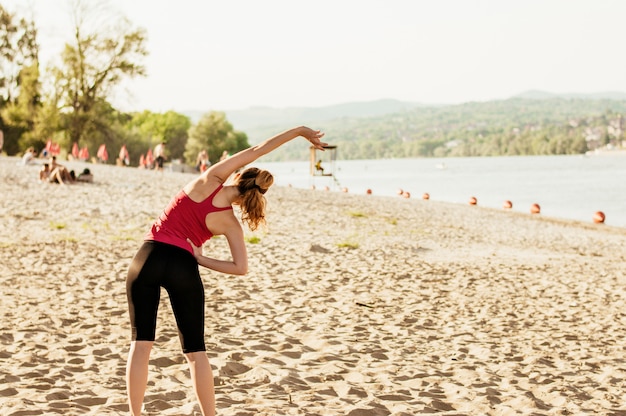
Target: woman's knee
x,y
196,356
141,347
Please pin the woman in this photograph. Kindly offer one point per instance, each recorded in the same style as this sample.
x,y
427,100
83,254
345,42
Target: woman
x,y
202,161
56,175
170,256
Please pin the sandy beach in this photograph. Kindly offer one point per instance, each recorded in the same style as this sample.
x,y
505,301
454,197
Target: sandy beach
x,y
354,305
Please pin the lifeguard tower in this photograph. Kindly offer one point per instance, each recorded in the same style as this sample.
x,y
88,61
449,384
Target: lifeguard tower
x,y
323,165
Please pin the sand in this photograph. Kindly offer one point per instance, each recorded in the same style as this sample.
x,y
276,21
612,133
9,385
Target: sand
x,y
354,305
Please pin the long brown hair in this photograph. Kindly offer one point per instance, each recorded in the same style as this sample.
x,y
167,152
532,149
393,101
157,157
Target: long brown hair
x,y
252,184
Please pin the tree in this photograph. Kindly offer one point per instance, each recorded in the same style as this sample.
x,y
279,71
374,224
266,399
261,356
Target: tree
x,y
23,114
214,134
154,128
18,48
19,78
91,68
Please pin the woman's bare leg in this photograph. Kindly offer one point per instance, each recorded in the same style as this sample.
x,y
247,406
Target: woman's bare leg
x,y
137,374
55,176
202,377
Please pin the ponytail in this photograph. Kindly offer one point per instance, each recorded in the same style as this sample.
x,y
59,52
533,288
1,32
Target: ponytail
x,y
252,185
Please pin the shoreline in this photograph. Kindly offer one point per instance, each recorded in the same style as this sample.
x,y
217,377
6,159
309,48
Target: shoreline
x,y
176,169
354,305
521,181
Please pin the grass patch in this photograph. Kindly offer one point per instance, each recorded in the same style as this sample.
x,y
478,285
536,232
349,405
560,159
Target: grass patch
x,y
356,214
57,225
253,239
348,244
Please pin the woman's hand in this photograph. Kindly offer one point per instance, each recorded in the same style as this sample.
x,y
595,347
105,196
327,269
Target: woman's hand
x,y
313,136
197,251
237,266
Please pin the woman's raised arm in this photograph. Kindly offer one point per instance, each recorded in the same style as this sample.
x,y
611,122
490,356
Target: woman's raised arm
x,y
226,167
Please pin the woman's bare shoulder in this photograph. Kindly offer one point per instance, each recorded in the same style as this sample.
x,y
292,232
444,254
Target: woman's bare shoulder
x,y
202,186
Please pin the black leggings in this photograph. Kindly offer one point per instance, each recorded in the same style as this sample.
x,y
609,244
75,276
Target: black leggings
x,y
159,265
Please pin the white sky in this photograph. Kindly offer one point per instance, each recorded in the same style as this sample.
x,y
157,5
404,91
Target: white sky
x,y
234,54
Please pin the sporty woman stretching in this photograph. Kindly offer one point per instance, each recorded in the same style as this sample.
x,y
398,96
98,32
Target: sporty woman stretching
x,y
172,250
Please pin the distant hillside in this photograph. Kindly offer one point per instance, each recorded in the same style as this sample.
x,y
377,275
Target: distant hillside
x,y
517,126
256,121
256,117
531,123
543,95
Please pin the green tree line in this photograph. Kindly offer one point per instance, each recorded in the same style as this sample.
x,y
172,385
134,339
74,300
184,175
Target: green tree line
x,y
71,103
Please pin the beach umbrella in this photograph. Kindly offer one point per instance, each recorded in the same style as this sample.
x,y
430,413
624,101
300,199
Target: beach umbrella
x,y
124,157
149,158
75,150
83,154
102,153
55,149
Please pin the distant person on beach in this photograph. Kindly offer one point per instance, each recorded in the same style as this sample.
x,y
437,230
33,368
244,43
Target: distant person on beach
x,y
29,156
225,155
85,176
172,251
63,172
318,167
159,156
44,173
53,175
202,161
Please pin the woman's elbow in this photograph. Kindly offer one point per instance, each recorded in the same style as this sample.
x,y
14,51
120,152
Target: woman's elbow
x,y
240,269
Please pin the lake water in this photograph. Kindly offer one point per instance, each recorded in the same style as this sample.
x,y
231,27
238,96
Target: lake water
x,y
570,187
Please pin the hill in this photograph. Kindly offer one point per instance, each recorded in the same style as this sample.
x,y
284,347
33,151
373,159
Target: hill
x,y
543,95
531,123
259,117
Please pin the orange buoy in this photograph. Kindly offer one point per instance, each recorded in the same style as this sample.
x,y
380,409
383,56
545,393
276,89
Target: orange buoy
x,y
507,204
369,192
344,190
535,209
473,200
425,196
326,188
400,191
406,194
599,217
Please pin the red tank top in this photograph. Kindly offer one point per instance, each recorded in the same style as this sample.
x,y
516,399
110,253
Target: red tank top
x,y
182,219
